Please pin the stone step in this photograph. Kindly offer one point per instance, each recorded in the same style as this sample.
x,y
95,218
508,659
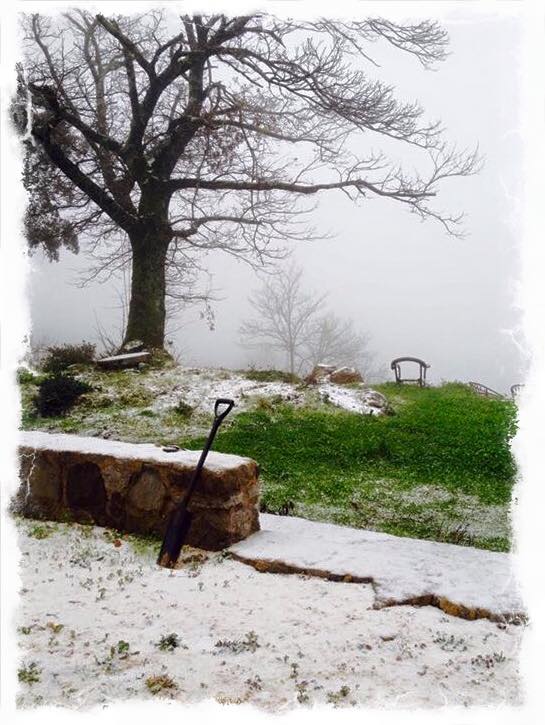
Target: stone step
x,y
461,580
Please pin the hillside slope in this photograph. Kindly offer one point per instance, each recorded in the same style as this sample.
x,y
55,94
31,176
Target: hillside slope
x,y
440,468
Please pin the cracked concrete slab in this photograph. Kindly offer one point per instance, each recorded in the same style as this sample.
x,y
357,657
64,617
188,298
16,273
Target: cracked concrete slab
x,y
462,581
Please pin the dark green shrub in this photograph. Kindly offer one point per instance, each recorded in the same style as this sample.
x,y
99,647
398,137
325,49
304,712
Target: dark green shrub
x,y
60,357
58,393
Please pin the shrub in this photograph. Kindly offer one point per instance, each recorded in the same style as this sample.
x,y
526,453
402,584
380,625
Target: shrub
x,y
59,357
183,409
271,376
26,377
56,394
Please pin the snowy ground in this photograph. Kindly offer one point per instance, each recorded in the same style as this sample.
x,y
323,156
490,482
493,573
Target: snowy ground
x,y
174,404
201,387
94,609
145,405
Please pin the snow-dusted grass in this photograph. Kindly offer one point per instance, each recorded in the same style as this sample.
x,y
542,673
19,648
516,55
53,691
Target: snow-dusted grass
x,y
158,405
99,621
439,469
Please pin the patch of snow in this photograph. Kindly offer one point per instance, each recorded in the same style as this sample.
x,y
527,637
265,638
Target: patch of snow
x,y
351,399
401,568
308,641
200,390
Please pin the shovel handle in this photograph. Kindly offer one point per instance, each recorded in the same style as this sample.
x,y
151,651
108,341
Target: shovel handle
x,y
228,406
180,520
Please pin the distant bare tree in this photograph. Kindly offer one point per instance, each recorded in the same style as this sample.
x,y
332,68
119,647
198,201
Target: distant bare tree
x,y
284,318
164,137
336,341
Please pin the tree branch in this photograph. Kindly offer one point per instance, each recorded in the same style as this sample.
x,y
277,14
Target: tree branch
x,y
42,133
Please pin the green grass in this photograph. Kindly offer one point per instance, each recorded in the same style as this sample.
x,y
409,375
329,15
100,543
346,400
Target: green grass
x,y
357,469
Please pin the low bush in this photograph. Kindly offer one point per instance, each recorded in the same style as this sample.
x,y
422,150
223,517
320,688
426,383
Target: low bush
x,y
60,357
26,377
56,394
271,376
183,409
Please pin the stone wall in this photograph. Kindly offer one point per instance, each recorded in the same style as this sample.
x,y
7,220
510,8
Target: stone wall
x,y
134,487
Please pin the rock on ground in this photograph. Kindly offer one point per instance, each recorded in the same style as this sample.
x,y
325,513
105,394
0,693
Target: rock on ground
x,y
331,374
355,400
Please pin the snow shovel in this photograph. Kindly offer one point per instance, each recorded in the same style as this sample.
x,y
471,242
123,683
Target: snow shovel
x,y
180,519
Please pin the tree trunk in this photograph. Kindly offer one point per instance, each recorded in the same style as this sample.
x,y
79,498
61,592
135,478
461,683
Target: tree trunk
x,y
146,319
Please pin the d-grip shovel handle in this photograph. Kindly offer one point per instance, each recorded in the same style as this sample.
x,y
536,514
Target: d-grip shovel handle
x,y
179,522
221,414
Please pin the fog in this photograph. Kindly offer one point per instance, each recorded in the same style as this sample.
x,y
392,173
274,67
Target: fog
x,y
408,285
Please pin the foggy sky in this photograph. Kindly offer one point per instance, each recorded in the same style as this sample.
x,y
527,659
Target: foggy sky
x,y
413,289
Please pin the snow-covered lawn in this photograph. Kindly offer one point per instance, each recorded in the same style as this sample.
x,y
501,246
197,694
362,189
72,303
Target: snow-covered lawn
x,y
199,388
99,621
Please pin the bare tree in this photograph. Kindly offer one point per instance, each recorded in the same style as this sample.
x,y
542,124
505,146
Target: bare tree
x,y
292,321
336,341
164,137
284,318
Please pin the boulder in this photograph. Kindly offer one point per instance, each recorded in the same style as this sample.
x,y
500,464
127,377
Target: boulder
x,y
341,376
333,374
320,373
134,487
377,401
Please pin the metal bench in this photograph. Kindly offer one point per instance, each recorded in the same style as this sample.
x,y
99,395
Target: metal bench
x,y
484,390
516,390
395,365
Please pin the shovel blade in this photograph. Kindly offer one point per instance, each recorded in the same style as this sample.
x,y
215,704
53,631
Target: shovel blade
x,y
176,533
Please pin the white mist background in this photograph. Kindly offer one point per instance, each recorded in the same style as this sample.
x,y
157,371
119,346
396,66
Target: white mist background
x,y
413,289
